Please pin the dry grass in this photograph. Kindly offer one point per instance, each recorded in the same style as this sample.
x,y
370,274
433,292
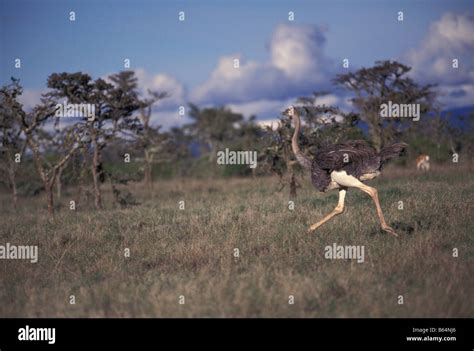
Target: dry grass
x,y
190,252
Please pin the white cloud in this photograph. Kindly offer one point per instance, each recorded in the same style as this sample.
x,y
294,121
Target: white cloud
x,y
272,123
248,82
162,83
297,66
30,98
168,119
267,109
261,108
298,51
449,38
329,99
165,111
459,95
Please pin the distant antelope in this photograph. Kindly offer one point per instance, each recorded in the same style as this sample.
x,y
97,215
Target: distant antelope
x,y
423,163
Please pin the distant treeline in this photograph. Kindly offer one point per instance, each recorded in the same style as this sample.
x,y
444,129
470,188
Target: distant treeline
x,y
111,137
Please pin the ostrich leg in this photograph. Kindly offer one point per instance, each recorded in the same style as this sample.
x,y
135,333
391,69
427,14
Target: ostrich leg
x,y
374,195
342,178
337,211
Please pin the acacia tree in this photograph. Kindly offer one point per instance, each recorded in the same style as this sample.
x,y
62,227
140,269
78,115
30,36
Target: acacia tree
x,y
213,127
12,144
322,125
32,126
77,88
149,139
47,170
386,81
326,124
179,142
57,143
277,155
114,105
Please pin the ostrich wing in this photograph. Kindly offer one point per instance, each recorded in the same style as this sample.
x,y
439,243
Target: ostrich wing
x,y
354,157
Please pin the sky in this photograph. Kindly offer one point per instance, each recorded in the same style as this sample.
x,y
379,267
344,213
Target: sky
x,y
279,59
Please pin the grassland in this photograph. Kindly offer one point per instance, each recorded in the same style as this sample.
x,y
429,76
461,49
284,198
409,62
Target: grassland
x,y
190,252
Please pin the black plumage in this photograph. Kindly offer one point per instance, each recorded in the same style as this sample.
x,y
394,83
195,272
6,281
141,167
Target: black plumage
x,y
355,157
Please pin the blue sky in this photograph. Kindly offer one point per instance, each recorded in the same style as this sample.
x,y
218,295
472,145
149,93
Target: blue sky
x,y
192,58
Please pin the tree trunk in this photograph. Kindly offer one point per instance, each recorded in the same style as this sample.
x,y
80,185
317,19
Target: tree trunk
x,y
83,174
47,184
59,185
148,171
95,174
212,151
376,135
14,193
11,173
49,194
293,186
47,179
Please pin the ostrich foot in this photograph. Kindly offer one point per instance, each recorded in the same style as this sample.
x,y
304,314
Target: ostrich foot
x,y
312,228
389,230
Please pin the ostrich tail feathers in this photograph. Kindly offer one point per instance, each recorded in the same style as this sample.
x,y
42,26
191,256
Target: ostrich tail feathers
x,y
392,151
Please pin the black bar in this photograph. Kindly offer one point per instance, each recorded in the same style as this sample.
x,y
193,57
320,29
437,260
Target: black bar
x,y
319,334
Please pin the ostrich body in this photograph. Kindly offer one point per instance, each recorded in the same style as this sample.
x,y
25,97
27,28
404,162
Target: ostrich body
x,y
344,165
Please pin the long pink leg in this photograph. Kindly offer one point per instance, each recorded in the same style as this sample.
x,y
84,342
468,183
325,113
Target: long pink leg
x,y
337,211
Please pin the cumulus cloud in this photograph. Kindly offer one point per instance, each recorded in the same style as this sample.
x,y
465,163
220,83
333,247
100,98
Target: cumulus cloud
x,y
457,95
165,111
30,98
297,66
272,123
248,82
449,38
298,52
168,118
162,83
262,108
267,108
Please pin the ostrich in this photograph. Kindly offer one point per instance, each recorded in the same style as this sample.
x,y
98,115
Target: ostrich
x,y
344,165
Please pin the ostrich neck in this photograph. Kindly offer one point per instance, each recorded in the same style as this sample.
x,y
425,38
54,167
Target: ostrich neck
x,y
303,160
294,140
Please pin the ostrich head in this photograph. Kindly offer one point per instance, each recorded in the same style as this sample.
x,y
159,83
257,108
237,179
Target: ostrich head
x,y
290,112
